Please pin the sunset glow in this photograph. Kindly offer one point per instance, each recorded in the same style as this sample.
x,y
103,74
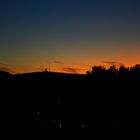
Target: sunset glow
x,y
68,36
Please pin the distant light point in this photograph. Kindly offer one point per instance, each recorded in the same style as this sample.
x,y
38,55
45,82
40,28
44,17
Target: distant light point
x,y
38,113
60,125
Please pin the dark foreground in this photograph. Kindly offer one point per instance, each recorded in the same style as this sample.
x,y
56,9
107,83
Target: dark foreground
x,y
52,105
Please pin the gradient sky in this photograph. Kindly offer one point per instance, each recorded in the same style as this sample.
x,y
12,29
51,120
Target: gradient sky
x,y
68,35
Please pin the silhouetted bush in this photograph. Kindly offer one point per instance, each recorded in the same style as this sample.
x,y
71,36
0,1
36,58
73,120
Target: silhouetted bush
x,y
46,103
100,71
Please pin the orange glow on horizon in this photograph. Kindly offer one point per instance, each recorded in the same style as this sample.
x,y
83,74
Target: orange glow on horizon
x,y
79,61
76,70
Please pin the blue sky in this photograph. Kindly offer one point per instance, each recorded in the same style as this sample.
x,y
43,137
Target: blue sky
x,y
78,33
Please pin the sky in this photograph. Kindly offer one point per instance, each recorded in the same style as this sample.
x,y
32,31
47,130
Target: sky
x,y
68,35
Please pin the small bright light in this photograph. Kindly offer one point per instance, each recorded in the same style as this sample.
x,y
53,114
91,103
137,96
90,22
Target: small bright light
x,y
38,113
60,125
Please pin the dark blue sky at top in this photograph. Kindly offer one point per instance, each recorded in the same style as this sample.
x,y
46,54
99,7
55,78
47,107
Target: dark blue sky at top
x,y
66,22
64,17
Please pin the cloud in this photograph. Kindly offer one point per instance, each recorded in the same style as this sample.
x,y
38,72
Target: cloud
x,y
73,70
118,64
5,67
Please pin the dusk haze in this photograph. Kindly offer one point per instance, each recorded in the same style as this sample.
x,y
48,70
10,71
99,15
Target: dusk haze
x,y
68,35
70,69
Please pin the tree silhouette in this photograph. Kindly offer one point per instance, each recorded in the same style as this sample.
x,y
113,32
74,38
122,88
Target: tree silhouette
x,y
98,100
98,71
112,71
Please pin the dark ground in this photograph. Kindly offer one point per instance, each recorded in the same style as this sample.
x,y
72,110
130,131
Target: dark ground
x,y
54,105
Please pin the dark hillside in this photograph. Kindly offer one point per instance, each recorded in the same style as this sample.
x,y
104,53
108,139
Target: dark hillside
x,y
49,104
